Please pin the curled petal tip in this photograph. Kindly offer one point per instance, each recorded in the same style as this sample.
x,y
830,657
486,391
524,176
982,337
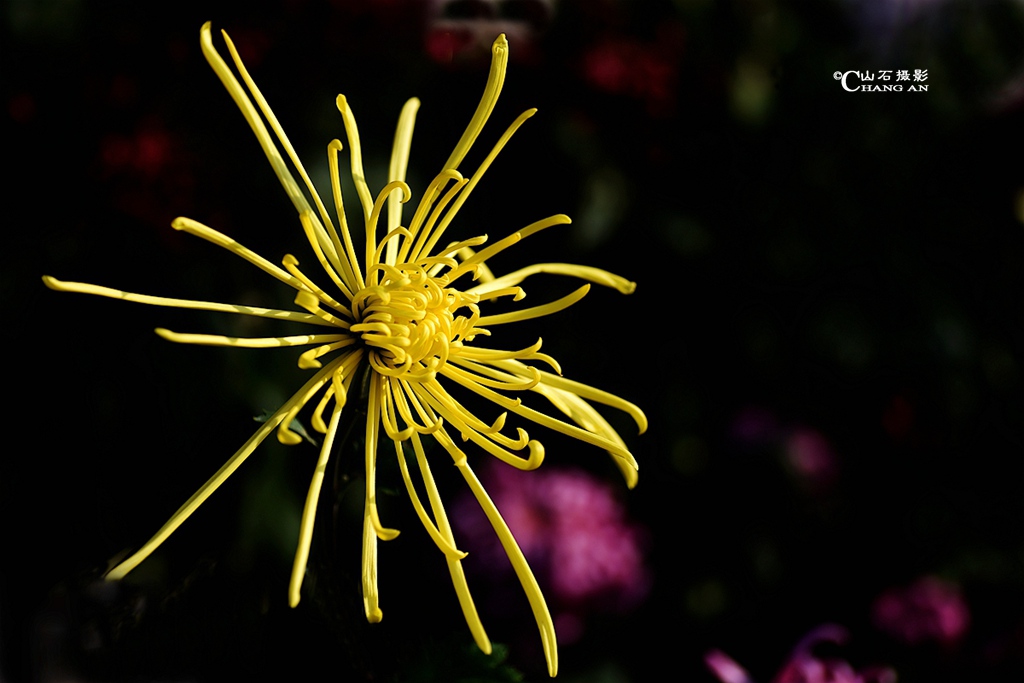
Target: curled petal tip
x,y
288,437
206,36
628,467
536,457
52,282
319,424
307,300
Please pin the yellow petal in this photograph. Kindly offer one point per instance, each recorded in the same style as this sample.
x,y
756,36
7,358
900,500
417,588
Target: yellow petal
x,y
355,155
211,485
240,97
476,626
595,275
309,512
521,567
443,543
322,236
473,181
249,342
396,171
96,290
501,245
466,380
536,311
495,79
221,240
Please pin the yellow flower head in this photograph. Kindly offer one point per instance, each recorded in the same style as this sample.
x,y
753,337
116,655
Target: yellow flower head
x,y
409,308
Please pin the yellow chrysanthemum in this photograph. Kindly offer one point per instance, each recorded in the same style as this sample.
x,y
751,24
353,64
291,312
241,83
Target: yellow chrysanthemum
x,y
400,311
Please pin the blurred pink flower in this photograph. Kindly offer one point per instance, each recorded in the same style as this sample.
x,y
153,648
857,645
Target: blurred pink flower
x,y
803,665
929,609
810,456
804,451
574,532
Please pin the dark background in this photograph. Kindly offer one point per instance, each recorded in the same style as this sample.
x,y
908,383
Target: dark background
x,y
808,260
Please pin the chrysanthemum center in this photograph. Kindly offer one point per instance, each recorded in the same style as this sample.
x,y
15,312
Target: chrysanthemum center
x,y
410,320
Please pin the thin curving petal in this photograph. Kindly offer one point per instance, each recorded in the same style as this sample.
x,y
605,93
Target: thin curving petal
x,y
344,362
240,97
521,567
499,246
321,234
373,422
371,594
211,485
248,342
96,290
309,512
535,312
466,380
221,240
476,626
495,79
584,414
356,155
442,543
397,170
595,275
582,390
477,176
349,264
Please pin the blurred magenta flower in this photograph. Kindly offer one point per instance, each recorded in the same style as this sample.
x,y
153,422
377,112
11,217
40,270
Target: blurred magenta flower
x,y
805,452
929,609
810,456
803,665
573,530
